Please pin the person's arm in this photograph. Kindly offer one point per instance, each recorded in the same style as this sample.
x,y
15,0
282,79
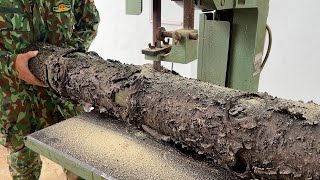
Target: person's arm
x,y
87,21
21,65
17,64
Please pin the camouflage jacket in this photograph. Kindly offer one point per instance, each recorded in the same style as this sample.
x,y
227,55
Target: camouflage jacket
x,y
61,22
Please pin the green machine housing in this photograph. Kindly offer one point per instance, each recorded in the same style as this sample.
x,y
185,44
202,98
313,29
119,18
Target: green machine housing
x,y
230,42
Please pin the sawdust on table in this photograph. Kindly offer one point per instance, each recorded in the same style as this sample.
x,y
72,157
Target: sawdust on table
x,y
119,155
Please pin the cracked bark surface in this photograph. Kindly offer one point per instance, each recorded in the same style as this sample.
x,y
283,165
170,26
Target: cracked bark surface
x,y
254,135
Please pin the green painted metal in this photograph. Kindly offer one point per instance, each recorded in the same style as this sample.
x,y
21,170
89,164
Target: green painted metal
x,y
133,7
214,40
81,169
248,30
93,155
183,51
229,4
246,48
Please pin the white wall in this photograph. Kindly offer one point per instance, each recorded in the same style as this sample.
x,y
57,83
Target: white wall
x,y
293,68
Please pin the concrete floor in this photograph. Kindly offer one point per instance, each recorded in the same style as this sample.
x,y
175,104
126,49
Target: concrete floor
x,y
50,170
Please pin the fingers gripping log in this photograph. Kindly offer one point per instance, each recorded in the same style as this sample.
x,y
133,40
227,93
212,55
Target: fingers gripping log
x,y
254,135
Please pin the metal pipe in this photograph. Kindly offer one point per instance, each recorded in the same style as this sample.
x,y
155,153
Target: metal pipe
x,y
169,34
188,14
156,24
164,34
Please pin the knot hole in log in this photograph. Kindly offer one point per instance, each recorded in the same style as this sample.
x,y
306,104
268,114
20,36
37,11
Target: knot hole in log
x,y
240,164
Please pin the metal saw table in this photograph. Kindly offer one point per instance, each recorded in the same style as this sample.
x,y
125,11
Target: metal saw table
x,y
96,147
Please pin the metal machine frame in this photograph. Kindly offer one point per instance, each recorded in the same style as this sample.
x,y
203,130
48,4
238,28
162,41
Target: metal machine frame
x,y
96,147
229,46
246,21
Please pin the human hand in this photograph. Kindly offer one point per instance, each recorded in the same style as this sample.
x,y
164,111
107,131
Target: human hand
x,y
21,66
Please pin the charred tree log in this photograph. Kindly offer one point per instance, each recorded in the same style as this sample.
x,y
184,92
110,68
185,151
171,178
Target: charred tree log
x,y
255,135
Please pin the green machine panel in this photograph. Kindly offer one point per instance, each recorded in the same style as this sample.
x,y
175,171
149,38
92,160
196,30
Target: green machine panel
x,y
247,45
213,50
245,42
133,7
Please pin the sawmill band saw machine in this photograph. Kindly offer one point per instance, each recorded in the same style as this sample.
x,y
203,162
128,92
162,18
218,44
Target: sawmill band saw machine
x,y
228,44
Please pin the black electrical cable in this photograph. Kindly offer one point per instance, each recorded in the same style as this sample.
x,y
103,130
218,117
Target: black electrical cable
x,y
269,47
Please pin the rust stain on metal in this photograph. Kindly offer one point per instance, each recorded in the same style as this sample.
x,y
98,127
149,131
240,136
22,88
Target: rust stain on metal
x,y
156,24
188,14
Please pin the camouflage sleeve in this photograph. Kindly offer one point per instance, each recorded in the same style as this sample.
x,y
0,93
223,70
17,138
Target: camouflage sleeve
x,y
7,63
87,21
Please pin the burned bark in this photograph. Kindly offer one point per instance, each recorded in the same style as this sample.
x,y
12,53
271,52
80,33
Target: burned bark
x,y
254,135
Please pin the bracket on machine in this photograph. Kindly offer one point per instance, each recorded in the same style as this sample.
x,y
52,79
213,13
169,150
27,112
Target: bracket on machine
x,y
183,48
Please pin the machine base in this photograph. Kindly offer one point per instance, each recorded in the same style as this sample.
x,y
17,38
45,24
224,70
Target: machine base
x,y
96,147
